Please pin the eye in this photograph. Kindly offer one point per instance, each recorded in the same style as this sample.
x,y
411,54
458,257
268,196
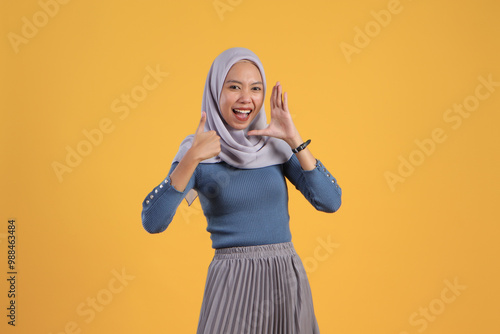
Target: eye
x,y
234,87
256,88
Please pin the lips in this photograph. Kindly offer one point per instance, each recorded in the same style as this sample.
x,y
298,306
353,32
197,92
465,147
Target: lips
x,y
242,114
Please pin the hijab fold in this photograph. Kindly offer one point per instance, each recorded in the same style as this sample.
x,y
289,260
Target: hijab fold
x,y
237,149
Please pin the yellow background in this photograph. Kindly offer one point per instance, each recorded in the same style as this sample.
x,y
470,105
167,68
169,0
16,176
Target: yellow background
x,y
394,248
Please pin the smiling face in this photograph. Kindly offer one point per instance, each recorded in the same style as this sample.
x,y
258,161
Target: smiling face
x,y
242,95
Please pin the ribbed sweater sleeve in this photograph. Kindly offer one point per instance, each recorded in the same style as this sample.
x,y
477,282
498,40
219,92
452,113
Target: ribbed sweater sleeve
x,y
243,206
160,205
318,185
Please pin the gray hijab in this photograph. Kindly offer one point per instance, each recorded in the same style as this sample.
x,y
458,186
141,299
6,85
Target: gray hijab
x,y
237,149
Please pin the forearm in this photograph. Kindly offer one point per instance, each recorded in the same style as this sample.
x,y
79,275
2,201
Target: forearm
x,y
160,205
183,172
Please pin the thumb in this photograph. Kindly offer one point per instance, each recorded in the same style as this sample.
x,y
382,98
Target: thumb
x,y
203,120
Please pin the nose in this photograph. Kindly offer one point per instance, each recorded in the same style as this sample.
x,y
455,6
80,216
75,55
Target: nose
x,y
245,96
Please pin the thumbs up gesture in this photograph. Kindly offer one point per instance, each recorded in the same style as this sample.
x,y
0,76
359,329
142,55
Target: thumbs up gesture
x,y
206,144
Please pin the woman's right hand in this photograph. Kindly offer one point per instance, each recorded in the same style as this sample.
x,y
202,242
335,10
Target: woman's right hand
x,y
205,144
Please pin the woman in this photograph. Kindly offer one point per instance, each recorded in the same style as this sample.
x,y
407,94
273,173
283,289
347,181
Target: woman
x,y
236,163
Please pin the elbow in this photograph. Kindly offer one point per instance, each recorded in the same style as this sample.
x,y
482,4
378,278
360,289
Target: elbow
x,y
327,199
151,225
336,206
329,206
335,201
152,229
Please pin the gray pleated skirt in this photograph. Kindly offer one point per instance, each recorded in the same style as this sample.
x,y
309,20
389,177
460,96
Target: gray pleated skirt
x,y
257,290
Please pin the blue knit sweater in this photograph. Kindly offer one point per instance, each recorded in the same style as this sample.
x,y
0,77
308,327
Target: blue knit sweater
x,y
243,207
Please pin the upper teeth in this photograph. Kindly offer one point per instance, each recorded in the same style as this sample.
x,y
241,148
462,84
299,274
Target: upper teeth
x,y
242,111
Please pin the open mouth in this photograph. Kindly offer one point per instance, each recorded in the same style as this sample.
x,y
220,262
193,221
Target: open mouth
x,y
242,114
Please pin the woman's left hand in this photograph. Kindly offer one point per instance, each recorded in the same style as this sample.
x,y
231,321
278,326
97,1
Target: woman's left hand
x,y
281,125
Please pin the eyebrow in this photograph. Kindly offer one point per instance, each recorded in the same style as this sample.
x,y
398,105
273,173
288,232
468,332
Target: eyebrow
x,y
239,82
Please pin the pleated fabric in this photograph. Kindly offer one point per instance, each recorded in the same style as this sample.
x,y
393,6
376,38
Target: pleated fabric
x,y
257,290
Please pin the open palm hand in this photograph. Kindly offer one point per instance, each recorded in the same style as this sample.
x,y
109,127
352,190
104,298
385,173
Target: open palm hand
x,y
281,125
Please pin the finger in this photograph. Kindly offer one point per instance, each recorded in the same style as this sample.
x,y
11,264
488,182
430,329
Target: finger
x,y
257,133
279,97
285,101
201,126
216,138
272,100
253,133
275,95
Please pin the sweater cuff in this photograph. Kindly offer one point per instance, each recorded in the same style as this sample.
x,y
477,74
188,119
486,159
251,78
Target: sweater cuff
x,y
161,189
323,171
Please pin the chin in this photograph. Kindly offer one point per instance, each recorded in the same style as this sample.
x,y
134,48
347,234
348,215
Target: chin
x,y
240,126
